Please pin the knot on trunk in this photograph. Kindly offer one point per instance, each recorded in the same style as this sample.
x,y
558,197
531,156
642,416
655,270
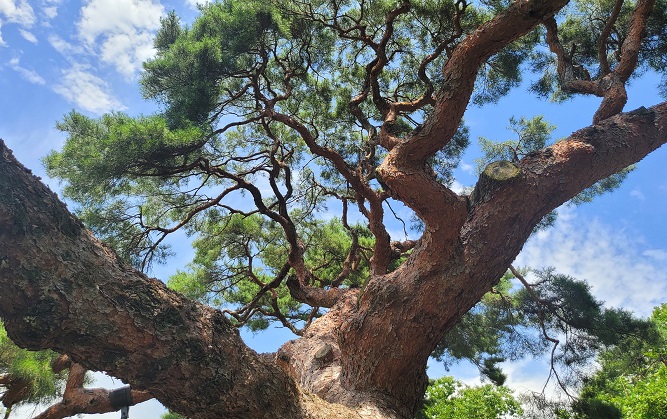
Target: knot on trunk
x,y
492,178
325,354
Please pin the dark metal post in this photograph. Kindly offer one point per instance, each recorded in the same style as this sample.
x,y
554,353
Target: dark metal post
x,y
121,399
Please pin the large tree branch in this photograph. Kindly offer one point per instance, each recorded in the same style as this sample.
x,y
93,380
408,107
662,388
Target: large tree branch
x,y
505,212
65,290
403,170
460,72
442,284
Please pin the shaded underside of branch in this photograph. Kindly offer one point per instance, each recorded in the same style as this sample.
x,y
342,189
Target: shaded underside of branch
x,y
65,290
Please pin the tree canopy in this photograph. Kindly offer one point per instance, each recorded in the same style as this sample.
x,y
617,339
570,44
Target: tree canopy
x,y
447,398
25,376
631,382
288,133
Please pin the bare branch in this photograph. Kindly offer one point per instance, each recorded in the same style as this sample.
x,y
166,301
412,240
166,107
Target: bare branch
x,y
602,42
78,400
540,315
316,297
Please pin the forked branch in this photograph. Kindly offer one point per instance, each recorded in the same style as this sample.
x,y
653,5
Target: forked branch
x,y
79,400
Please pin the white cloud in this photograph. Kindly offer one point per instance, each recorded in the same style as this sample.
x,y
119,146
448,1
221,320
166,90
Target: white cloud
x,y
2,41
17,11
127,51
636,193
609,259
50,12
529,375
194,3
29,36
120,31
87,91
62,46
27,74
468,168
50,8
457,187
659,255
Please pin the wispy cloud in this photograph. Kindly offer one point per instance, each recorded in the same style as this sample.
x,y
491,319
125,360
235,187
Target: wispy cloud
x,y
28,36
27,74
87,91
468,168
120,32
636,193
65,48
659,255
50,8
611,260
17,11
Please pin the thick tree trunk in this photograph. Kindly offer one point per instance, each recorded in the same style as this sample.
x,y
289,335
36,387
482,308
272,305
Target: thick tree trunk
x,y
65,290
408,311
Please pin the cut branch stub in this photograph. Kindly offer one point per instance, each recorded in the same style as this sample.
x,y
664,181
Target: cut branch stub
x,y
494,175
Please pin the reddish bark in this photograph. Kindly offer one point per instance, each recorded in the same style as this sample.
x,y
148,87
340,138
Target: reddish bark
x,y
611,84
65,290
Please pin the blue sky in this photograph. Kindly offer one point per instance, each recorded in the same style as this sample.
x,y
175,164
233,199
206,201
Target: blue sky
x,y
58,55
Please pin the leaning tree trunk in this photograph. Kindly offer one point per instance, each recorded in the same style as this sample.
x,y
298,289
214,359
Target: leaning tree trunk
x,y
63,289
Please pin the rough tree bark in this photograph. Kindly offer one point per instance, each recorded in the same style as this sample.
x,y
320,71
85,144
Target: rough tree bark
x,y
65,290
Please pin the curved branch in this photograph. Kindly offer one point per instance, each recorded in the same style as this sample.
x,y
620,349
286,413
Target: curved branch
x,y
632,43
316,297
615,96
403,170
382,251
460,72
611,86
382,59
551,177
565,66
540,315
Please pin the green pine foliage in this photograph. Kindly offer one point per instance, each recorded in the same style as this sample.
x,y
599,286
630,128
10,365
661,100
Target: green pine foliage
x,y
138,179
513,323
632,379
31,370
217,164
447,398
171,415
